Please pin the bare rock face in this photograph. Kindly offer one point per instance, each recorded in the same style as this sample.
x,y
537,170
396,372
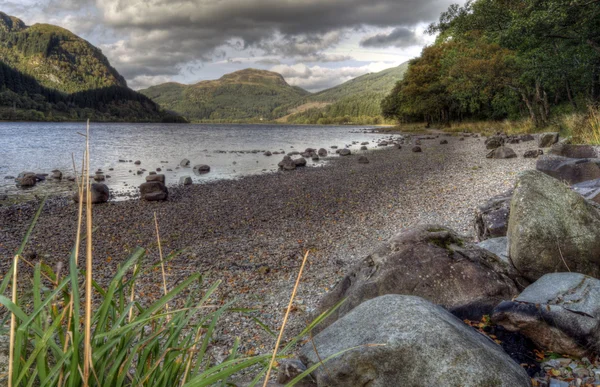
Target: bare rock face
x,y
432,262
400,340
559,312
552,229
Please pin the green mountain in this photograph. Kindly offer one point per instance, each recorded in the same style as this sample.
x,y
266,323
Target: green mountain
x,y
358,100
240,96
254,95
49,74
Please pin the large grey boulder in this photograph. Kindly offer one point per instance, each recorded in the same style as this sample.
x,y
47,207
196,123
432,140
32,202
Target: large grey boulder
x,y
551,228
572,171
575,151
345,152
99,191
502,152
560,312
491,218
546,140
322,152
400,340
432,262
153,191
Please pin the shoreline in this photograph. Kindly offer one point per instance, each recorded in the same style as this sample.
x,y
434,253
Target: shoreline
x,y
251,232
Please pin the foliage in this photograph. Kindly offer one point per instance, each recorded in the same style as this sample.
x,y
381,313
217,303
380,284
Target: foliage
x,y
498,59
356,101
56,57
22,97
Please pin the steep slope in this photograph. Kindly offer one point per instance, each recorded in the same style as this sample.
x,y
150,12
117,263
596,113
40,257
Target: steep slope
x,y
242,95
49,74
57,58
357,100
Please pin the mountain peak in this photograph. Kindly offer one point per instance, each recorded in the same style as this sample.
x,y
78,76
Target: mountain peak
x,y
10,23
251,75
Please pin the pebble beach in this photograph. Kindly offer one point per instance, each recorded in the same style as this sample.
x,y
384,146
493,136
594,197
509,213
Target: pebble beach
x,y
251,233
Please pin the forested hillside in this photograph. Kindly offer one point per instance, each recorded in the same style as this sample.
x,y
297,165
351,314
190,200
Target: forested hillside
x,y
257,95
57,58
357,100
498,59
49,74
240,96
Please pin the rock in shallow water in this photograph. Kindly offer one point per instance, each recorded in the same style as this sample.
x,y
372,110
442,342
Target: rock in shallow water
x,y
407,341
560,312
185,180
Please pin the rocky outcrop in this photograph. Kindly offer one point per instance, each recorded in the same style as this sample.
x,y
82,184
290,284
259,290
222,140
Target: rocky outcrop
x,y
572,171
99,191
560,312
491,218
399,340
551,228
432,262
154,191
502,152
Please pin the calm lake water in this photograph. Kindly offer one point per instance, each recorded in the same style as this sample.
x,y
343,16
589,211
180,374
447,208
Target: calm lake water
x,y
227,149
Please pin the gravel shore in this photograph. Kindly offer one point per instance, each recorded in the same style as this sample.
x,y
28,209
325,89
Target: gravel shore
x,y
252,232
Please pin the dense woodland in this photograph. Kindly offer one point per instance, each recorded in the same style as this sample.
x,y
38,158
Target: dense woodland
x,y
23,98
498,59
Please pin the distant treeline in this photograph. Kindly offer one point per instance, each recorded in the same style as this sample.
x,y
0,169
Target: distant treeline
x,y
497,59
23,98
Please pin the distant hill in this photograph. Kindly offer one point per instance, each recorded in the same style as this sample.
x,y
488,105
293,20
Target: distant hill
x,y
49,74
240,96
254,95
357,100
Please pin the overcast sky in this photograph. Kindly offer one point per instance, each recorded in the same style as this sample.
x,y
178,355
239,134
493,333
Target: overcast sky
x,y
314,44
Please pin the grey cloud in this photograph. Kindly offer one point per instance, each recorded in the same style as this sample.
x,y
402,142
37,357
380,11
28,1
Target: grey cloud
x,y
399,37
268,61
166,34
